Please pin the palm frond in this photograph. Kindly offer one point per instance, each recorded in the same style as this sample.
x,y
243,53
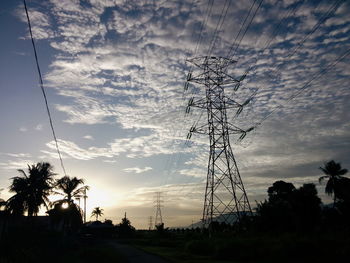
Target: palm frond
x,y
324,170
343,171
56,192
329,187
80,191
320,180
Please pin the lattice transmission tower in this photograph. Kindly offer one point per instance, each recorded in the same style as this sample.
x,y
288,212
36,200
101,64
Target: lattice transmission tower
x,y
225,198
150,223
158,204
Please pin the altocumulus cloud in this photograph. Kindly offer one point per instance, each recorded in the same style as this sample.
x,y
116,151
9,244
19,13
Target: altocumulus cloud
x,y
137,169
123,62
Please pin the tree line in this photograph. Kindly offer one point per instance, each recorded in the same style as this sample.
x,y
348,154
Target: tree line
x,y
288,208
31,191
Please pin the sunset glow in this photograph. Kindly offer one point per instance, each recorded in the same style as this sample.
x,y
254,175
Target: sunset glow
x,y
114,72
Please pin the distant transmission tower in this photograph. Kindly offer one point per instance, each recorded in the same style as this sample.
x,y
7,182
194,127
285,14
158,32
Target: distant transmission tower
x,y
225,198
150,225
158,204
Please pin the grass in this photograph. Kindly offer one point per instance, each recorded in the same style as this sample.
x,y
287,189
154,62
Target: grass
x,y
287,247
186,247
177,256
172,247
26,247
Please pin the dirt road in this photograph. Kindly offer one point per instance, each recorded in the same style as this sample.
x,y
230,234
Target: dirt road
x,y
134,255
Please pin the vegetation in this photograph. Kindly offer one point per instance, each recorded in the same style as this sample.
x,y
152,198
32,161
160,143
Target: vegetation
x,y
291,225
65,214
97,212
69,187
337,185
2,201
33,245
124,228
31,190
188,246
288,208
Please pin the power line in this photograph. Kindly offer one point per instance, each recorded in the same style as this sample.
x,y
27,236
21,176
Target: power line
x,y
277,69
229,55
277,28
274,34
199,40
240,29
306,85
219,26
325,16
246,29
330,11
204,23
42,87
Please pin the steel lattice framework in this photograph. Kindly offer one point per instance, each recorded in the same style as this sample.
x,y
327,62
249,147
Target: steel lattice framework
x,y
225,198
158,204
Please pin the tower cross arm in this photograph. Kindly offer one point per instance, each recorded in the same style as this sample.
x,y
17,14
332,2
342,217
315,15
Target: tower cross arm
x,y
230,103
237,129
199,103
202,129
233,129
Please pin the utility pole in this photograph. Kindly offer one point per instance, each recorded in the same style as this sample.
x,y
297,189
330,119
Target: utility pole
x,y
158,204
78,199
85,196
225,198
150,225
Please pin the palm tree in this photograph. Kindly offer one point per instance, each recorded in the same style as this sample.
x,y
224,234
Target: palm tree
x,y
2,201
70,215
333,172
69,186
31,190
97,212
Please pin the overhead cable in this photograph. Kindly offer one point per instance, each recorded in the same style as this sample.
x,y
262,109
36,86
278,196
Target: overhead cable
x,y
42,88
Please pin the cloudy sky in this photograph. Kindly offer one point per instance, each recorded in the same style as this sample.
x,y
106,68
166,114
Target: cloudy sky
x,y
114,73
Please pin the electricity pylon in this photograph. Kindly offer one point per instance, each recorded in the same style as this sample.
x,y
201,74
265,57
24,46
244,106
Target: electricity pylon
x,y
225,198
84,196
150,225
158,204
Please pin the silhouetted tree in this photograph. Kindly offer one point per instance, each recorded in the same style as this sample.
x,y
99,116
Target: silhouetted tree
x,y
276,213
306,207
280,190
31,190
125,221
2,201
70,187
97,212
289,208
65,216
343,189
333,172
108,222
160,227
125,228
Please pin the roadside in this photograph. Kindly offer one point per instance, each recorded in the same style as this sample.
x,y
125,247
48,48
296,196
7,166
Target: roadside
x,y
135,255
